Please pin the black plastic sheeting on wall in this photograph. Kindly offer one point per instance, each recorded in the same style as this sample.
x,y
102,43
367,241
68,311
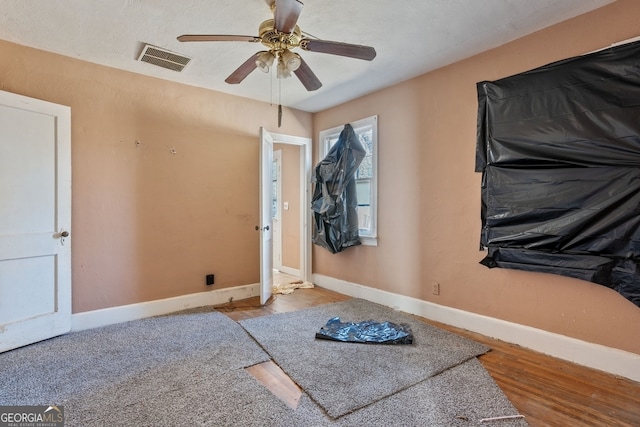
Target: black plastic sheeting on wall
x,y
367,332
559,152
334,203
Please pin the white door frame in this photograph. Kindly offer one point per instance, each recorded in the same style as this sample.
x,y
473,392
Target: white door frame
x,y
305,199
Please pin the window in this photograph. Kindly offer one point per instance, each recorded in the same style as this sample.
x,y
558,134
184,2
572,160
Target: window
x,y
366,175
275,175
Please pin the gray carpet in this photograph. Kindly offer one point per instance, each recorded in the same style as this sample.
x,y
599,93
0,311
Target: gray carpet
x,y
196,399
460,396
74,364
188,369
342,377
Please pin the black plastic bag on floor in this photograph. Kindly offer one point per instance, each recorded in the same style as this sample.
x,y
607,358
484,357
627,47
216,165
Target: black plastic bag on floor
x,y
334,203
367,332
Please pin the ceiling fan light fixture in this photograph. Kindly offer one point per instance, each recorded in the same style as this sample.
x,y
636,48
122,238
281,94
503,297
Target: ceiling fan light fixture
x,y
291,60
283,72
265,61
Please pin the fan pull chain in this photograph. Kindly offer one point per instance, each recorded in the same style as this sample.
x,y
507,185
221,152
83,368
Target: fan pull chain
x,y
271,87
279,102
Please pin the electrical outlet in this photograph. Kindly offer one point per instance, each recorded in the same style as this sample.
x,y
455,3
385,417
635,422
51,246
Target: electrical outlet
x,y
210,279
436,288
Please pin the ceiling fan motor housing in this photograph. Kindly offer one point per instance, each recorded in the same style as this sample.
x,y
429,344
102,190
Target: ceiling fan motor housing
x,y
276,40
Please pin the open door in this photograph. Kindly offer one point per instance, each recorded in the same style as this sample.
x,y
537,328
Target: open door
x,y
35,220
266,226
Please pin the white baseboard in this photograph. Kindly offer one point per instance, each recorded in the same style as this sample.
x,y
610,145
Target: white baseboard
x,y
611,360
289,270
125,313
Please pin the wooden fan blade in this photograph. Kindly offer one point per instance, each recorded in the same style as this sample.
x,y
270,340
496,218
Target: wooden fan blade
x,y
243,71
307,77
216,38
286,15
337,48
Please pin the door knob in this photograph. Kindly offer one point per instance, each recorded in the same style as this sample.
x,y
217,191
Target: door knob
x,y
64,234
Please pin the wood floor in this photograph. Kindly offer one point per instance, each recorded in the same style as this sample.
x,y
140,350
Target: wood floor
x,y
546,390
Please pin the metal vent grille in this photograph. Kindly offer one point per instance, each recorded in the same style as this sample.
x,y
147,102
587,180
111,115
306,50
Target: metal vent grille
x,y
163,58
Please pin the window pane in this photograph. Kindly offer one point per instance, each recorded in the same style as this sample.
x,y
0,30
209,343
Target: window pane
x,y
363,191
274,190
364,217
274,200
366,167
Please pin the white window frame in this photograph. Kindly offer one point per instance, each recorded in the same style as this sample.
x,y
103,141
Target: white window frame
x,y
368,237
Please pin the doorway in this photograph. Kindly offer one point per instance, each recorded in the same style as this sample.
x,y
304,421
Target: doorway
x,y
286,209
294,188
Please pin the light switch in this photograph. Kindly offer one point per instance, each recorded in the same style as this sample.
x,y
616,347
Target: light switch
x,y
286,206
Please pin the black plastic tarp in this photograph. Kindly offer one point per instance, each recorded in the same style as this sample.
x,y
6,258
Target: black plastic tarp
x,y
334,202
559,150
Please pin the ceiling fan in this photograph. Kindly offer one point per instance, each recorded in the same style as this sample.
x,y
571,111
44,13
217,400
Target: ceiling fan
x,y
280,35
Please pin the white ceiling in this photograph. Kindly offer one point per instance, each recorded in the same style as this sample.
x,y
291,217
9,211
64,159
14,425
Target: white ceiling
x,y
411,37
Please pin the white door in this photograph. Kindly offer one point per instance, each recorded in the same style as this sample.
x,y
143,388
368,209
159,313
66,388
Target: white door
x,y
276,209
266,226
35,214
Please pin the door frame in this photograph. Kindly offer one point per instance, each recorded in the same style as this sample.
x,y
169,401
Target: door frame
x,y
305,199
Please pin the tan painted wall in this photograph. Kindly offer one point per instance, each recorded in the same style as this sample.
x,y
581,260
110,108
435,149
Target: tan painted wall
x,y
148,224
429,194
290,193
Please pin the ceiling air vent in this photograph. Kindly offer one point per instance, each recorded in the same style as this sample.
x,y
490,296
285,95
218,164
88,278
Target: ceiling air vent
x,y
163,58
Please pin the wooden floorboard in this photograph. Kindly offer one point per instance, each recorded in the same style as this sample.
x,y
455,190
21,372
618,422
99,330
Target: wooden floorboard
x,y
546,390
279,383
